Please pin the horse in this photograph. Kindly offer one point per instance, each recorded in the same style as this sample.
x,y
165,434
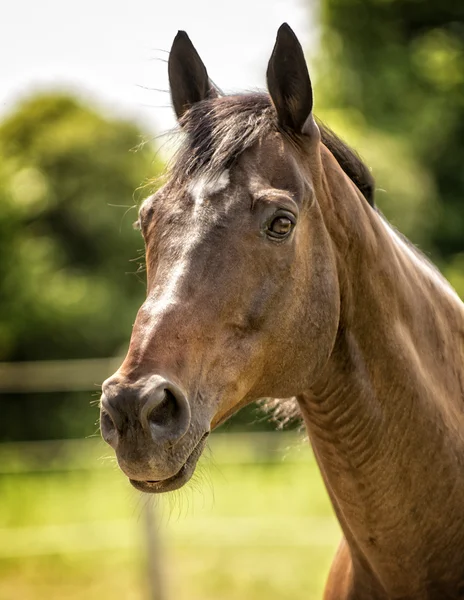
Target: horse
x,y
271,274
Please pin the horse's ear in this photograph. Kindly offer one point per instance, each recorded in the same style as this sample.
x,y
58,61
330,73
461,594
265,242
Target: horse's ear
x,y
188,78
288,82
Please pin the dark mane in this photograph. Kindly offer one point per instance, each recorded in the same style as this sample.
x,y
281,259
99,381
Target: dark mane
x,y
350,162
217,131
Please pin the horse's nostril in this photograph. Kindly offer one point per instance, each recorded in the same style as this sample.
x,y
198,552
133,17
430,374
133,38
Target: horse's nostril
x,y
166,413
108,428
159,406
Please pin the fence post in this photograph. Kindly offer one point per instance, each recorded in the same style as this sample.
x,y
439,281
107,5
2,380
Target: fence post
x,y
156,590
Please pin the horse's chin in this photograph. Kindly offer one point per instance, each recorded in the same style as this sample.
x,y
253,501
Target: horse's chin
x,y
175,481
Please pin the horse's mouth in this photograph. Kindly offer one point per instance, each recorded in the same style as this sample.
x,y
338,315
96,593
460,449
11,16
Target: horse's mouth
x,y
175,481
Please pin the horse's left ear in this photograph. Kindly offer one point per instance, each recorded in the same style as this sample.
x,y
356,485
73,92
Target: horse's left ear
x,y
288,82
188,78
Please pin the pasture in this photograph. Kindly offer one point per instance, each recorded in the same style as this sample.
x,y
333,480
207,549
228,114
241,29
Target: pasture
x,y
254,524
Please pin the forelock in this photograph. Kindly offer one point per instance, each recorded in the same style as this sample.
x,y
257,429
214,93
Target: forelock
x,y
216,132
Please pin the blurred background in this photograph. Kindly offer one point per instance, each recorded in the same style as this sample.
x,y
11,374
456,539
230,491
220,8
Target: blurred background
x,y
84,111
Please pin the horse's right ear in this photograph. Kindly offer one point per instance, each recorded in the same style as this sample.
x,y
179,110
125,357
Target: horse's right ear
x,y
188,78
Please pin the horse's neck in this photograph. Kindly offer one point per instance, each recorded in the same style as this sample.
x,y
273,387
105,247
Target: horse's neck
x,y
385,416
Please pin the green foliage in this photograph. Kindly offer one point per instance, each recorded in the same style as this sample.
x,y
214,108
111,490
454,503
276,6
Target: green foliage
x,y
69,181
67,178
393,71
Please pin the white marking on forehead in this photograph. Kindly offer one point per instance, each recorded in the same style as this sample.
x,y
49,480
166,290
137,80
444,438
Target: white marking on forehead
x,y
168,293
204,186
170,290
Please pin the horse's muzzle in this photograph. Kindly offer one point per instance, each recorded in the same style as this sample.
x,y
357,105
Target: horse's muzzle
x,y
157,406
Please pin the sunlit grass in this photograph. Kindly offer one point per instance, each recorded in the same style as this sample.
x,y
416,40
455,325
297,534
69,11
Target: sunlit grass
x,y
253,524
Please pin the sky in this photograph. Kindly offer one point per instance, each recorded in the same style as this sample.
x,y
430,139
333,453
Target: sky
x,y
113,52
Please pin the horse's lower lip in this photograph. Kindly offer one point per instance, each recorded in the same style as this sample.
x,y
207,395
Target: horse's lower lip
x,y
175,481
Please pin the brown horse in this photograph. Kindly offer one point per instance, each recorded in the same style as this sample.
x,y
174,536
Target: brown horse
x,y
271,274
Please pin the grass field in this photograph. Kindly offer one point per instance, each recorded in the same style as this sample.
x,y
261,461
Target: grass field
x,y
254,524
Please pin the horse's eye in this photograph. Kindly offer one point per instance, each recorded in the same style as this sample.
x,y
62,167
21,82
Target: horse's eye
x,y
280,227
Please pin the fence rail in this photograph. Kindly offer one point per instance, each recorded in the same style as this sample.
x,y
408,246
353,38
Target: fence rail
x,y
78,375
92,453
